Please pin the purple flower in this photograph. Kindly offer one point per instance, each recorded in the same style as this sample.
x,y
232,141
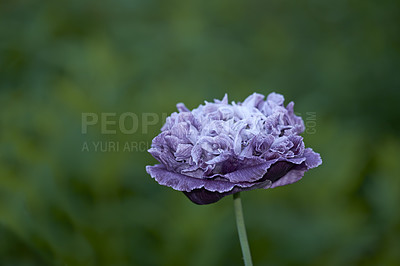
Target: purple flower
x,y
219,148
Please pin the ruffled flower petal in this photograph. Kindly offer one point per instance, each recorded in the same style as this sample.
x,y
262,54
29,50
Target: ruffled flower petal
x,y
219,148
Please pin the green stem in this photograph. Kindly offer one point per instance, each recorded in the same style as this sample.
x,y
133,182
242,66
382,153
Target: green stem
x,y
242,229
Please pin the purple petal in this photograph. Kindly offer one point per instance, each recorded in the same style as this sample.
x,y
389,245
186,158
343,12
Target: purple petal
x,y
169,122
313,159
253,100
183,151
277,171
172,142
180,130
224,100
275,98
186,183
182,108
291,177
295,120
249,174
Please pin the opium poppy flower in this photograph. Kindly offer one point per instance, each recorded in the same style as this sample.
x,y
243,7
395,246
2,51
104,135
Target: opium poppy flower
x,y
220,149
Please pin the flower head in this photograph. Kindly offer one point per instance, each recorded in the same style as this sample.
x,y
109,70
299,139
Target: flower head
x,y
219,148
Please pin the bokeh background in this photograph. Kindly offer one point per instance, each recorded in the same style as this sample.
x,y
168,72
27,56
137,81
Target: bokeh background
x,y
61,205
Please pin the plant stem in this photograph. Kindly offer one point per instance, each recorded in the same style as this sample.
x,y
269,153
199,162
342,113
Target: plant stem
x,y
242,229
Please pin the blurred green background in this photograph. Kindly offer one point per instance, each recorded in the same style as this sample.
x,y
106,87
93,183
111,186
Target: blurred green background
x,y
61,205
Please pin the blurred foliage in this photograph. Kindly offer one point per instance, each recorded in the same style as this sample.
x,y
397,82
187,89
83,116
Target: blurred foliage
x,y
60,205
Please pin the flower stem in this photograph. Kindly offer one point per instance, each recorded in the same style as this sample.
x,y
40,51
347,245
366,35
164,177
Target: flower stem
x,y
242,229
